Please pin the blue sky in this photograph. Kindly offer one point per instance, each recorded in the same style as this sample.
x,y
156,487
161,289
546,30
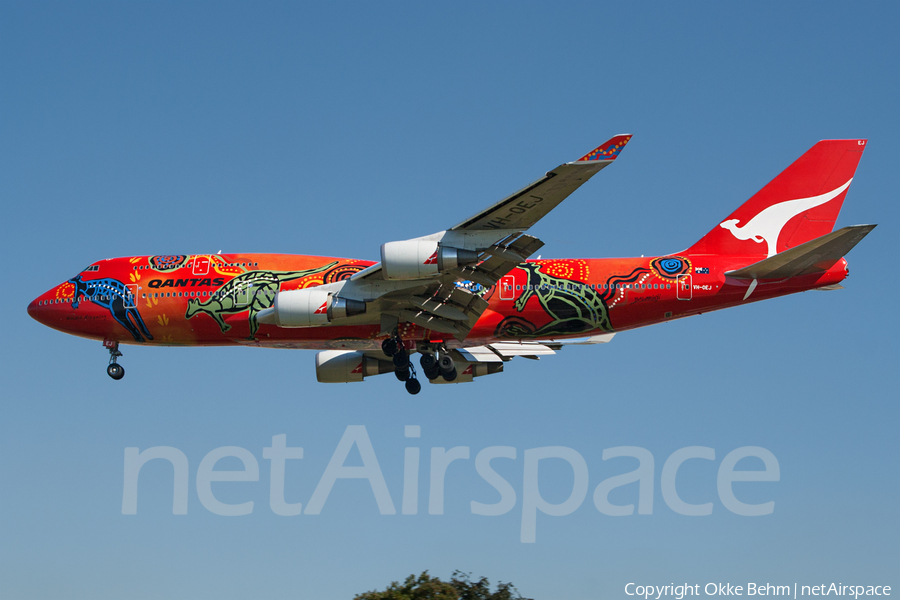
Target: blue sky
x,y
156,128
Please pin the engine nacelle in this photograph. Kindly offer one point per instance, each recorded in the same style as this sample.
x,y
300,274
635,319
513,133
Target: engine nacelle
x,y
417,259
310,307
346,366
467,371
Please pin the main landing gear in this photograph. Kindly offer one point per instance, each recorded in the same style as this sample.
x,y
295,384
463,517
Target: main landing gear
x,y
438,363
435,362
403,368
114,370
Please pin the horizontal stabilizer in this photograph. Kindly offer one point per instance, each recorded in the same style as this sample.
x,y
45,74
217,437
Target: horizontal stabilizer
x,y
811,257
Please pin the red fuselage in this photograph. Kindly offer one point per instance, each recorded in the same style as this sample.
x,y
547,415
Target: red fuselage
x,y
181,299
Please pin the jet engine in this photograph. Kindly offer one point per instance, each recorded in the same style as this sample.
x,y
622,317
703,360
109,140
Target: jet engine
x,y
345,366
417,259
309,308
467,371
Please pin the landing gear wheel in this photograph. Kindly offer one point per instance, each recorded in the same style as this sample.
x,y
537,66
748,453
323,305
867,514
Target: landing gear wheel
x,y
413,386
116,371
402,374
449,375
432,374
389,346
446,364
401,359
428,362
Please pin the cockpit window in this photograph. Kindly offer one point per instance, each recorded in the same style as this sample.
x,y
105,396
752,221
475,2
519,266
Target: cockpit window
x,y
92,268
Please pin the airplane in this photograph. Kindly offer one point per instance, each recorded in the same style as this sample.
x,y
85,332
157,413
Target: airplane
x,y
469,299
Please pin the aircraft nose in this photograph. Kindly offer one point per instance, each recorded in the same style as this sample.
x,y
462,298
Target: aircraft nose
x,y
32,309
40,309
45,309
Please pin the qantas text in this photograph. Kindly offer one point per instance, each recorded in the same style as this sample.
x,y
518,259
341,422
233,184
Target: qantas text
x,y
197,282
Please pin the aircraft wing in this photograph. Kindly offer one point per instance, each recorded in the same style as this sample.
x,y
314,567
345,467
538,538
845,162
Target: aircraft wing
x,y
506,351
524,208
437,281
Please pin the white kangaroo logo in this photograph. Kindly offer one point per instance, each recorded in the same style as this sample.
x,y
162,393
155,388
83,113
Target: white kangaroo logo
x,y
767,225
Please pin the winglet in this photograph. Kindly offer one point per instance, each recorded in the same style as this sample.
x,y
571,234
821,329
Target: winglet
x,y
607,151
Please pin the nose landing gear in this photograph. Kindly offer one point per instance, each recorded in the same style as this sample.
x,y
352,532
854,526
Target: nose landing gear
x,y
114,370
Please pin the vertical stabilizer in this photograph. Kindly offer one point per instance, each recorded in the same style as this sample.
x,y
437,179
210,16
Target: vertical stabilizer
x,y
799,205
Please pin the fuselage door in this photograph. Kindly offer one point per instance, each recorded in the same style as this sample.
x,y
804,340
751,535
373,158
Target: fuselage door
x,y
507,287
683,287
201,265
242,294
131,292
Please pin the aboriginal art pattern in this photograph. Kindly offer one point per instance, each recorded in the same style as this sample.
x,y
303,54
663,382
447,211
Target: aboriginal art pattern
x,y
476,288
341,273
114,296
253,291
607,152
573,306
168,262
670,267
